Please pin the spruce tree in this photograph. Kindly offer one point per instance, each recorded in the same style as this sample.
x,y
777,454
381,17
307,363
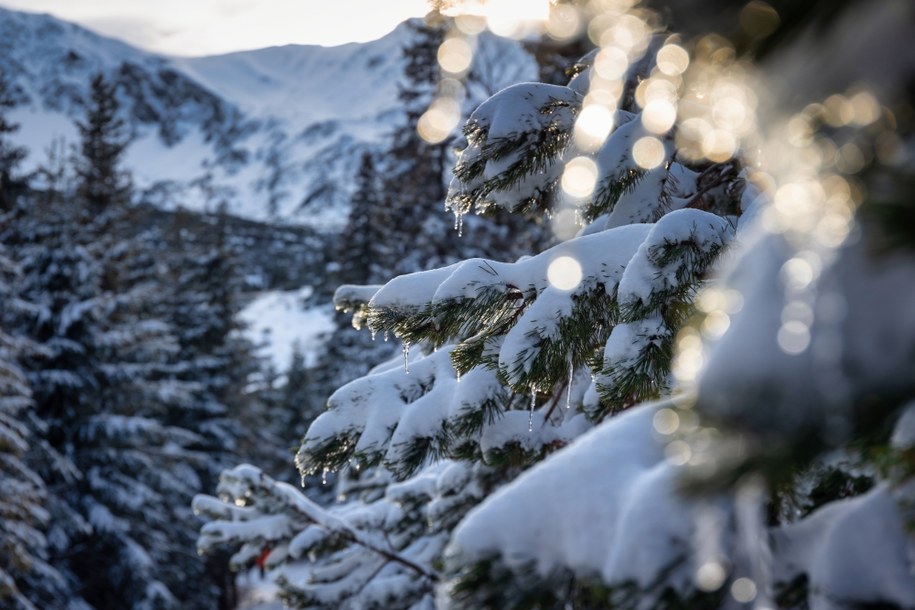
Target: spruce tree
x,y
414,168
752,435
11,155
107,386
363,252
498,357
27,580
101,181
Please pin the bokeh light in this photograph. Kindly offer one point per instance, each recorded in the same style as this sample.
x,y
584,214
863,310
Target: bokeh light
x,y
564,273
659,116
710,576
439,121
672,60
592,127
648,152
455,55
508,18
579,177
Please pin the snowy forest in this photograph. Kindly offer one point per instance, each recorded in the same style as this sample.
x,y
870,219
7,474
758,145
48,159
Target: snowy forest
x,y
607,309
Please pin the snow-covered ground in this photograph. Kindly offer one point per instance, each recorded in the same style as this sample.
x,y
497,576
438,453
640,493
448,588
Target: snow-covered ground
x,y
276,321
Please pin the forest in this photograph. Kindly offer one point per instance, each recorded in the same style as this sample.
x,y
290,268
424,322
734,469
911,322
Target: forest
x,y
636,334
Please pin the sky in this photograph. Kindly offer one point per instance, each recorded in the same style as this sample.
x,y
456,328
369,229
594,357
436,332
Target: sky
x,y
209,27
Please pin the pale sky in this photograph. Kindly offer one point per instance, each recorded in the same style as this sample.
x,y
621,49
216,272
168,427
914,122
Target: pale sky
x,y
207,27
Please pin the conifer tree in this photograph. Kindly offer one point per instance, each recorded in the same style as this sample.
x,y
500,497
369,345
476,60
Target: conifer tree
x,y
11,155
114,447
101,181
363,249
414,168
795,369
498,357
27,579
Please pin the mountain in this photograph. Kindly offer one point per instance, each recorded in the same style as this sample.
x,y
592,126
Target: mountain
x,y
276,133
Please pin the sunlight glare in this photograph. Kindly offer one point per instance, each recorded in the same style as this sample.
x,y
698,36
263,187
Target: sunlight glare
x,y
437,123
564,273
672,60
455,55
508,18
579,177
648,152
593,126
659,116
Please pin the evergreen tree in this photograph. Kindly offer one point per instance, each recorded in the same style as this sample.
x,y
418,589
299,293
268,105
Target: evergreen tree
x,y
27,579
101,181
498,357
795,371
106,387
414,168
206,298
11,155
363,249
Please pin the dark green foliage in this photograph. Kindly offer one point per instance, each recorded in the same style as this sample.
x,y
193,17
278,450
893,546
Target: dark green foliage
x,y
27,580
414,170
135,373
531,153
101,181
11,155
489,584
364,247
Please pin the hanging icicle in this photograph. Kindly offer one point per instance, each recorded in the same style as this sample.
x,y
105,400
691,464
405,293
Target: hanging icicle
x,y
569,391
530,420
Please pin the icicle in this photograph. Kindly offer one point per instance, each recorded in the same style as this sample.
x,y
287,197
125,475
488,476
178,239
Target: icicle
x,y
459,222
385,336
324,477
569,393
530,420
406,358
373,334
457,375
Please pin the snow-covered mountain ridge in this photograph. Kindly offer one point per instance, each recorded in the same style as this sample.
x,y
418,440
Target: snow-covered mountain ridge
x,y
277,133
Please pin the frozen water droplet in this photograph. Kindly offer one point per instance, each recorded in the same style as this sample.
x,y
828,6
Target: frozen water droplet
x,y
569,393
324,477
460,225
373,334
530,420
406,358
385,336
457,375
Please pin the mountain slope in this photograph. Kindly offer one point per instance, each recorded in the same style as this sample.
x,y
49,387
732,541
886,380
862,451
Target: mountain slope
x,y
276,133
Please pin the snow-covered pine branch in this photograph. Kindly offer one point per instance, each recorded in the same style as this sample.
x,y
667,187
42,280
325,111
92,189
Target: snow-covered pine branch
x,y
503,362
